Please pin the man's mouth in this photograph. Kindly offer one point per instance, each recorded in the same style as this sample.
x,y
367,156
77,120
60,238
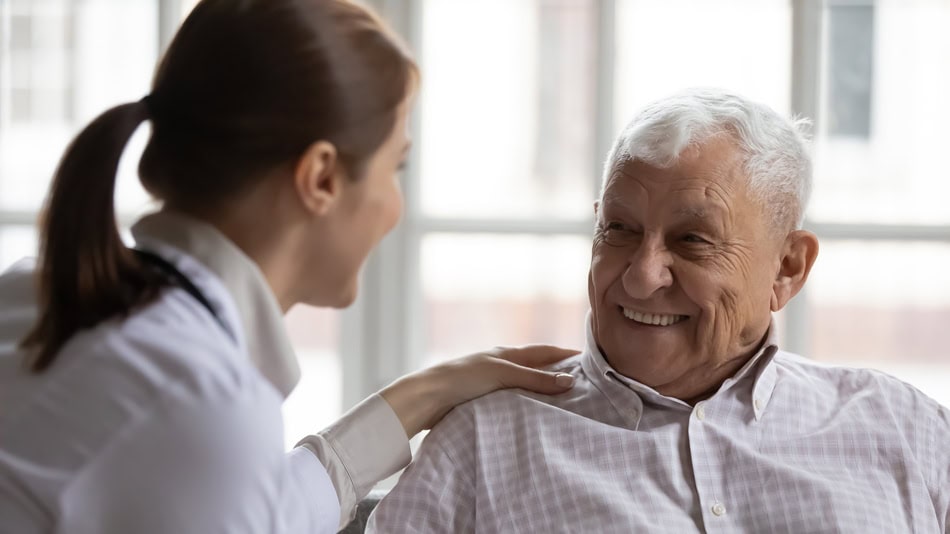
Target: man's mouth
x,y
653,319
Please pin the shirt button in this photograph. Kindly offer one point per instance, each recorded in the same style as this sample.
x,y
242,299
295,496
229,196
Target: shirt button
x,y
718,509
700,411
758,404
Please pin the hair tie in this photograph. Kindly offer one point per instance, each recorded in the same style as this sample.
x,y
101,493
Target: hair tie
x,y
148,102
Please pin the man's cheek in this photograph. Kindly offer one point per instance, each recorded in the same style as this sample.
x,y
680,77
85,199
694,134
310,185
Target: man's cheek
x,y
724,322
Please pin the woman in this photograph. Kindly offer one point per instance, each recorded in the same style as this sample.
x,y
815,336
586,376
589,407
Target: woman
x,y
140,389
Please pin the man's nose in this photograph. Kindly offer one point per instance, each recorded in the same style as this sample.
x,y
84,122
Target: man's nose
x,y
648,270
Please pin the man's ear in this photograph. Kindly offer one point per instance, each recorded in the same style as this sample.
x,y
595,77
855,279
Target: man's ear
x,y
798,256
318,178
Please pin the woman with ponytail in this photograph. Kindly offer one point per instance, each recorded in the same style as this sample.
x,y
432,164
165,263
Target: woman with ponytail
x,y
140,388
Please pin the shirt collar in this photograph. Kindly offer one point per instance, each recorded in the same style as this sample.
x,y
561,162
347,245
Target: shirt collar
x,y
759,367
268,346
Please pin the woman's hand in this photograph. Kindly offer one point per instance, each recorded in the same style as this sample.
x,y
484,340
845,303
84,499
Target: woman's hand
x,y
421,399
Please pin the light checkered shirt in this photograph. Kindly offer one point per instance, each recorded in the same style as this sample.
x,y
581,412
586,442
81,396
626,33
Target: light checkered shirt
x,y
786,445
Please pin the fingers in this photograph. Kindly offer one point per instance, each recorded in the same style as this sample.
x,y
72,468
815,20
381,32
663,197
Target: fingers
x,y
422,398
534,355
516,376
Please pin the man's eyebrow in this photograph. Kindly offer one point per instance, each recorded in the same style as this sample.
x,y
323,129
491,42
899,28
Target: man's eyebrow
x,y
612,197
699,214
692,212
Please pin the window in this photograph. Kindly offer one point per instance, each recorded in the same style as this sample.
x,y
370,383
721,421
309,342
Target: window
x,y
16,241
47,99
514,127
515,288
504,151
520,102
64,63
850,69
664,47
877,295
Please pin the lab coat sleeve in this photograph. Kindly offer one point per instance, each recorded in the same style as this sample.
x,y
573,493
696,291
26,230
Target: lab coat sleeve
x,y
363,447
199,463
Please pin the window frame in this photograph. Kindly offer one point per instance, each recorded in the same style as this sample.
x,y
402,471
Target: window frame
x,y
169,18
381,333
381,338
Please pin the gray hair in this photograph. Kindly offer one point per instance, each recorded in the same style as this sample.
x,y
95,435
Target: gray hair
x,y
775,149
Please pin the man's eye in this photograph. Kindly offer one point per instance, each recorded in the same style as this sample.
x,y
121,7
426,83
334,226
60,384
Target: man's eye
x,y
615,226
618,234
693,238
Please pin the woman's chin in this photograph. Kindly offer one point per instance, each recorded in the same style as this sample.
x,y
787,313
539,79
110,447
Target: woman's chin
x,y
337,297
343,297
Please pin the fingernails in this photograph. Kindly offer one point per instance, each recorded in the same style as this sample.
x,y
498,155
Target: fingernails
x,y
564,380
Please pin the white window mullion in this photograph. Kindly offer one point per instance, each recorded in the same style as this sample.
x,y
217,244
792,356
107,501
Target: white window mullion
x,y
604,127
411,311
6,73
16,218
805,97
169,19
881,232
379,332
505,226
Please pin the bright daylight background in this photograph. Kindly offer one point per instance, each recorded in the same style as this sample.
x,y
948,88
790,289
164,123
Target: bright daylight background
x,y
521,99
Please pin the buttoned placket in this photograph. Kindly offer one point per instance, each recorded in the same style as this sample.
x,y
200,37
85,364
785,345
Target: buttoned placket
x,y
701,417
628,397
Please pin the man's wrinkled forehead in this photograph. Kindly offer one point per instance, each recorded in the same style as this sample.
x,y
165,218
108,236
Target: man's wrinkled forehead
x,y
714,164
635,186
695,208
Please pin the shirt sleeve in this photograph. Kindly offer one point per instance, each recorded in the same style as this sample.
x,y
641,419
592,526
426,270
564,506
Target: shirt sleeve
x,y
363,447
940,441
436,493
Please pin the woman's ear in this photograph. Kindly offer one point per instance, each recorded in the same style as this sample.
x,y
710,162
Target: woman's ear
x,y
318,178
798,256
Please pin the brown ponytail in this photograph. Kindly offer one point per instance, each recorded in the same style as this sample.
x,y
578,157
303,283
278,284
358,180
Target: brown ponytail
x,y
86,274
244,88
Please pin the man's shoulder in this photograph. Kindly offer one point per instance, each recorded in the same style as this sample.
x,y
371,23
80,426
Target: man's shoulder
x,y
507,412
570,365
838,374
515,401
845,382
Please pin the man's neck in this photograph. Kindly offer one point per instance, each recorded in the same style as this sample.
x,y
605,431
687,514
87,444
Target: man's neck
x,y
702,383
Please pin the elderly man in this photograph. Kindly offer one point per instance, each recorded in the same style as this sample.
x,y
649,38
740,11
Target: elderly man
x,y
686,416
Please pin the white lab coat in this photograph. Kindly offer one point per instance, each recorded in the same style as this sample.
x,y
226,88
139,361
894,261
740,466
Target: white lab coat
x,y
167,421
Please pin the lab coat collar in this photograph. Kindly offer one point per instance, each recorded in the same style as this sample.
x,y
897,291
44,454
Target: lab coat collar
x,y
260,315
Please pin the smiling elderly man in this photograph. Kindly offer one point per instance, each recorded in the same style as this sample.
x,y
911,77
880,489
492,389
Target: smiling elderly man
x,y
686,416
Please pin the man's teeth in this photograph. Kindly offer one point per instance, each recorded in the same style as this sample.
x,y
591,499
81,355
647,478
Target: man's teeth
x,y
652,318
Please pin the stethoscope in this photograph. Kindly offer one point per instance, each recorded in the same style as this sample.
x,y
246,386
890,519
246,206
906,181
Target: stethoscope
x,y
176,278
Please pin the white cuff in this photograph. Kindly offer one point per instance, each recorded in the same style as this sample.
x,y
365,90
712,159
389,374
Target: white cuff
x,y
361,448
